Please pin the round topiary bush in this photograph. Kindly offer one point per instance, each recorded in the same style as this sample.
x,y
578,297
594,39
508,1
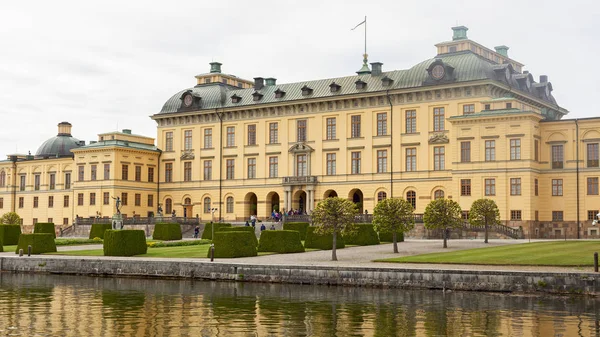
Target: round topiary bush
x,y
300,227
167,231
249,229
98,229
40,243
125,242
364,235
234,244
44,227
387,237
9,234
322,241
281,241
207,233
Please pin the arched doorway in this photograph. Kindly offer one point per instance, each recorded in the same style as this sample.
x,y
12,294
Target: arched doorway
x,y
299,202
251,205
330,194
187,208
272,203
356,196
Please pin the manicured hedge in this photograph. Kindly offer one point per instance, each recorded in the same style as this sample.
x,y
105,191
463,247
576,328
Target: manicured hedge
x,y
234,244
44,227
281,241
9,234
364,235
40,243
249,229
297,226
387,237
322,241
125,242
207,233
98,229
167,231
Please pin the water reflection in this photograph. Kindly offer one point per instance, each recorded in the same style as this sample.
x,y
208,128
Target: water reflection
x,y
84,306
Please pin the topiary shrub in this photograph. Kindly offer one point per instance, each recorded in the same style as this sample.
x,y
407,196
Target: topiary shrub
x,y
207,233
98,229
364,235
249,229
300,227
40,243
125,242
281,241
322,241
387,237
9,234
234,244
167,231
44,227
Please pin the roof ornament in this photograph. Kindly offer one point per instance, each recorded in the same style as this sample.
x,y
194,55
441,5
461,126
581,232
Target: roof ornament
x,y
365,67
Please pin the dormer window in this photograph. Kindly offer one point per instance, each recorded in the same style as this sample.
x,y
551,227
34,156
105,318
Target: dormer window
x,y
386,81
257,96
279,93
360,84
334,87
306,91
235,99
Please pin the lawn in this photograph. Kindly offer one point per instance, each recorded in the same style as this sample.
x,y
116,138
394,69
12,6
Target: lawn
x,y
197,251
557,253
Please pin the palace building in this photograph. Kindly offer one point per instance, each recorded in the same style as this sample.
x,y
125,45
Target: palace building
x,y
468,123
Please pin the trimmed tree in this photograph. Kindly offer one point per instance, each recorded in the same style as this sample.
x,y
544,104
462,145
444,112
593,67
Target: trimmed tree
x,y
443,214
395,216
11,218
334,216
484,212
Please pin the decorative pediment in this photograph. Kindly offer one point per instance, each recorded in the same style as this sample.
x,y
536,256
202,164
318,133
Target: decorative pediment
x,y
439,72
438,138
189,101
300,148
187,155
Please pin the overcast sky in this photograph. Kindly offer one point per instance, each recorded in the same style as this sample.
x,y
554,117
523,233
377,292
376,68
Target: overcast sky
x,y
109,65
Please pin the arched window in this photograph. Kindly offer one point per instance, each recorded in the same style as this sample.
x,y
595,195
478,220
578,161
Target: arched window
x,y
2,179
168,206
229,204
438,194
381,196
411,196
207,205
187,201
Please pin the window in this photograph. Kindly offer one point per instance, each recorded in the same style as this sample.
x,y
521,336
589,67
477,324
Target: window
x,y
79,199
67,180
557,187
21,202
592,186
411,159
187,171
331,164
65,221
208,139
105,198
125,172
230,173
382,124
208,170
509,105
187,140
22,183
138,199
355,126
438,194
301,165
468,109
168,206
252,134
273,167
438,119
592,155
230,136
138,173
411,121
411,196
465,187
515,149
515,215
1,202
381,161
273,133
438,158
490,150
168,172
557,215
36,182
330,128
536,150
93,172
251,168
35,202
150,174
207,205
66,201
150,200
80,173
92,199
537,217
490,186
515,186
229,205
592,215
381,196
124,198
301,130
557,156
169,141
536,188
106,171
2,179
465,152
487,107
355,162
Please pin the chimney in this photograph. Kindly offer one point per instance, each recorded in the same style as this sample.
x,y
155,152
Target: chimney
x,y
127,131
271,81
64,129
543,78
502,50
215,67
82,143
259,83
376,68
460,33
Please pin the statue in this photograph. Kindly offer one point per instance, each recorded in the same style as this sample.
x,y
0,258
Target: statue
x,y
159,210
118,204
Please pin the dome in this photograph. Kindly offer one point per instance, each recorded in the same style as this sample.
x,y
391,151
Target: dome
x,y
60,145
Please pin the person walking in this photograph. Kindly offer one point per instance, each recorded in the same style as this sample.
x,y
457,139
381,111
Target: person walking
x,y
196,232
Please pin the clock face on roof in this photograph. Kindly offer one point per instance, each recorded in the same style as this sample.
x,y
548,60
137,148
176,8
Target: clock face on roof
x,y
187,100
438,72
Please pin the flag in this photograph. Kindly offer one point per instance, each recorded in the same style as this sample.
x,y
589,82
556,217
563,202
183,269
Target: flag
x,y
360,24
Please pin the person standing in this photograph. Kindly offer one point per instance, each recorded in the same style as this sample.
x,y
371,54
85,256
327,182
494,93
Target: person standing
x,y
262,227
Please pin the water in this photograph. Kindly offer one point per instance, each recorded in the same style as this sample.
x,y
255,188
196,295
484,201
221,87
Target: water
x,y
49,305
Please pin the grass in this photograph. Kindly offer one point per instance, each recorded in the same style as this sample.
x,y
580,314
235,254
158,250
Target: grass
x,y
557,253
195,251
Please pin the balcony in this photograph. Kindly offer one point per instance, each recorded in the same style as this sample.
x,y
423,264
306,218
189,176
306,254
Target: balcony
x,y
302,180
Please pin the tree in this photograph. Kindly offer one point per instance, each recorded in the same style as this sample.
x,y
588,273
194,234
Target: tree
x,y
394,215
484,212
443,214
10,218
333,216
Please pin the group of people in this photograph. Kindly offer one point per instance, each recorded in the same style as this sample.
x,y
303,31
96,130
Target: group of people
x,y
262,226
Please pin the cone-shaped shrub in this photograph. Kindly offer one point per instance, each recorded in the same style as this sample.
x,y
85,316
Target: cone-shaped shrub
x,y
124,242
98,229
321,241
167,231
297,226
280,242
40,243
234,244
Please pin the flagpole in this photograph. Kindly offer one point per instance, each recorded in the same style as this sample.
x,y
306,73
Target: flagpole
x,y
365,35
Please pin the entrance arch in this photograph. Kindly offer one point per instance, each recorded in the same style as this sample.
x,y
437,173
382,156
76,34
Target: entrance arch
x,y
251,205
299,201
356,196
272,203
330,194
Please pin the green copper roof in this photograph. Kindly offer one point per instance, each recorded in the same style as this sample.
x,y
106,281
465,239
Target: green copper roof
x,y
119,143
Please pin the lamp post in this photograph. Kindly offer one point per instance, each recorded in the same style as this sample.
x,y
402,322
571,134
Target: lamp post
x,y
212,228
